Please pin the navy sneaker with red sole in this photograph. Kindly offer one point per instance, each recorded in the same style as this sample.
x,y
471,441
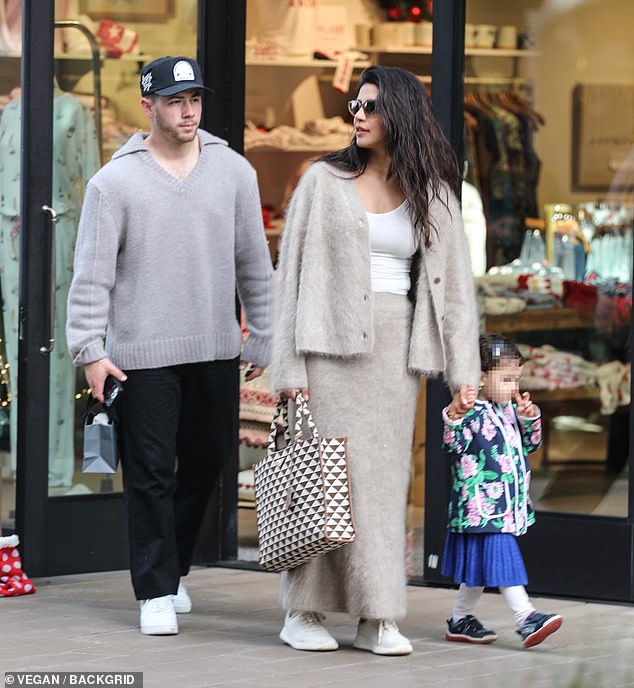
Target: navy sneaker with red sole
x,y
537,627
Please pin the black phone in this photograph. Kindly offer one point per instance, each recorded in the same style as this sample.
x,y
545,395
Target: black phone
x,y
111,390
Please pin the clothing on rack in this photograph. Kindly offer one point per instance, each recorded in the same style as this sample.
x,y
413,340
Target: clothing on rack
x,y
504,166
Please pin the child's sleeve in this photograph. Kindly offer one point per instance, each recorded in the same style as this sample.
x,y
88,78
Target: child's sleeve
x,y
531,430
456,433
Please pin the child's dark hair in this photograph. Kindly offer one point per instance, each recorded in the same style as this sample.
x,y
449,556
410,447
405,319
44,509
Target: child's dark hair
x,y
494,347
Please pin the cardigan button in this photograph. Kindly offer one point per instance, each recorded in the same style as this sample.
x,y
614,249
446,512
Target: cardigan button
x,y
437,280
365,335
365,297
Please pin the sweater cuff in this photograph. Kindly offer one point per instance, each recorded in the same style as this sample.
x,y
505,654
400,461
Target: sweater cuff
x,y
293,376
257,350
92,352
451,421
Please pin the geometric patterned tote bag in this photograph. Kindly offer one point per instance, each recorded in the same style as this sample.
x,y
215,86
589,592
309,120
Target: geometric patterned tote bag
x,y
302,493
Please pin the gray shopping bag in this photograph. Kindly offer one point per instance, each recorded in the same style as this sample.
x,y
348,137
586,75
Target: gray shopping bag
x,y
101,454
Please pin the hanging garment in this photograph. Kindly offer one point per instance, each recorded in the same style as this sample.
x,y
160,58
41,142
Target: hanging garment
x,y
75,160
475,228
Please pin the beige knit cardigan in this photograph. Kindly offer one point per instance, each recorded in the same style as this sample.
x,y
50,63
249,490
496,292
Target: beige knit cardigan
x,y
323,295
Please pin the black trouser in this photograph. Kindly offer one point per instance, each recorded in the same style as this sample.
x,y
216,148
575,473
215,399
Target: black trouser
x,y
187,412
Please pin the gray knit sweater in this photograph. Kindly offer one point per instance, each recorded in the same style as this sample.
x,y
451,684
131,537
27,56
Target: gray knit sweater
x,y
158,261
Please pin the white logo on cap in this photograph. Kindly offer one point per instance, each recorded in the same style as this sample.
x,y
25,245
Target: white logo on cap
x,y
183,71
146,82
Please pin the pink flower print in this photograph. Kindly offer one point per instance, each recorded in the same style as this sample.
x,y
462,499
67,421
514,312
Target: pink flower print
x,y
506,463
487,508
469,466
473,513
509,524
466,435
535,438
475,426
516,440
494,490
449,436
474,518
488,429
509,414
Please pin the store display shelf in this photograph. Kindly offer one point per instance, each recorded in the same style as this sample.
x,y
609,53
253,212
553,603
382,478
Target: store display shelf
x,y
128,57
82,55
500,52
427,50
300,62
539,319
294,149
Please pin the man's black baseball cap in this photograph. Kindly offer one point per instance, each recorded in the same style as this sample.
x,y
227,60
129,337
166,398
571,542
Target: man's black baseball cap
x,y
166,76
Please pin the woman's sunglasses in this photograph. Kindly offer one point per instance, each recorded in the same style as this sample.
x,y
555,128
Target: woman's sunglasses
x,y
369,106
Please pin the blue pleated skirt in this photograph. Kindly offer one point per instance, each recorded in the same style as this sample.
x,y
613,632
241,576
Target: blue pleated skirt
x,y
486,559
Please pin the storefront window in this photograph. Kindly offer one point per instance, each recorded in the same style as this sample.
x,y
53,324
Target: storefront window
x,y
547,201
549,120
96,109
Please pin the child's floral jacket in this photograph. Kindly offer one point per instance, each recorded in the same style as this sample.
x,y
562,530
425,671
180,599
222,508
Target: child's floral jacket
x,y
490,471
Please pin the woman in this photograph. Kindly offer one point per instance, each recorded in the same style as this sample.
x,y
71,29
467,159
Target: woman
x,y
374,290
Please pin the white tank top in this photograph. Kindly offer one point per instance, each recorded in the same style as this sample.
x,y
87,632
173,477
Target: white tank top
x,y
392,246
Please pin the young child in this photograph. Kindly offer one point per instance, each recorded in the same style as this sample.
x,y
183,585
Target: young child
x,y
489,504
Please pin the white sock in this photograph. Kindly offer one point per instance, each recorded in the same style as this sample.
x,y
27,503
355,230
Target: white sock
x,y
517,599
466,602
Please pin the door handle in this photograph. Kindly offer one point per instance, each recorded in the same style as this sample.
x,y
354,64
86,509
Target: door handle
x,y
48,348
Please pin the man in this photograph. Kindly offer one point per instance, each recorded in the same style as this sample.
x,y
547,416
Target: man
x,y
170,229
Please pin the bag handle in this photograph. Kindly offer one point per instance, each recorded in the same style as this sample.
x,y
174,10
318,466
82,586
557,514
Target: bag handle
x,y
303,414
93,407
279,424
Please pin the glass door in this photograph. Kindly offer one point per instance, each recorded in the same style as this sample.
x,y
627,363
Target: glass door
x,y
547,115
78,103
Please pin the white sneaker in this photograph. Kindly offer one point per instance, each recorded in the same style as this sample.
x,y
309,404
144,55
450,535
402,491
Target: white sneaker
x,y
305,631
182,601
382,637
158,616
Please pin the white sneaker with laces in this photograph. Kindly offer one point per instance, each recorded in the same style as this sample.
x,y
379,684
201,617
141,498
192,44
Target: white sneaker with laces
x,y
182,601
158,616
305,631
382,637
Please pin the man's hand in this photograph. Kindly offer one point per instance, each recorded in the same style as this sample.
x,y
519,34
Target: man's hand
x,y
252,370
97,372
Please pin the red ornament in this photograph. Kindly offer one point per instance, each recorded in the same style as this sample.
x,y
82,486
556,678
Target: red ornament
x,y
394,14
415,13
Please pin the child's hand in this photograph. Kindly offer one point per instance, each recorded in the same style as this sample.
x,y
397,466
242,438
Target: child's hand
x,y
463,401
525,406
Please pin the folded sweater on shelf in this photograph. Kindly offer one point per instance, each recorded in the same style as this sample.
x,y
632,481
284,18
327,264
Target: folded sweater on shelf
x,y
550,368
326,134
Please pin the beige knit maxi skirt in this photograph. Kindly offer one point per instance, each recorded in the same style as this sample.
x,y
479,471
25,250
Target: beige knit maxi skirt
x,y
371,400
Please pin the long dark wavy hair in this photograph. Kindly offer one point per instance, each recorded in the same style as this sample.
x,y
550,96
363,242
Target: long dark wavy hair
x,y
421,156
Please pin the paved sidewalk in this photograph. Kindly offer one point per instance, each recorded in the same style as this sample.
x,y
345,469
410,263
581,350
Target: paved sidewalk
x,y
90,623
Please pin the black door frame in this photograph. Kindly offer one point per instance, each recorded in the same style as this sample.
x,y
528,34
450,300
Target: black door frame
x,y
571,555
62,535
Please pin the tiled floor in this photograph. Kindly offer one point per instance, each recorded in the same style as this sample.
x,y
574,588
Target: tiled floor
x,y
90,623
